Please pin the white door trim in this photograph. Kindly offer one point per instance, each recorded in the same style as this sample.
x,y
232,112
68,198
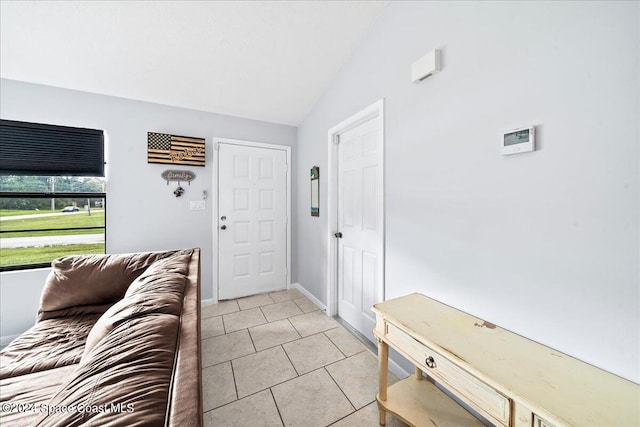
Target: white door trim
x,y
374,111
214,201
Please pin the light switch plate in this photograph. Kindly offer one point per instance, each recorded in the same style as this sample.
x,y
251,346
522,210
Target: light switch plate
x,y
197,205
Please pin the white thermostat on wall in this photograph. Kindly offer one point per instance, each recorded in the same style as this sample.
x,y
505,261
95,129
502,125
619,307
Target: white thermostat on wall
x,y
519,141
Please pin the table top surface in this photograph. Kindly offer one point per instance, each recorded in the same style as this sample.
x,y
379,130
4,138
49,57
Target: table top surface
x,y
545,380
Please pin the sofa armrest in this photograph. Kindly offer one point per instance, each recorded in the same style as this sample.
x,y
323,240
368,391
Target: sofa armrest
x,y
186,389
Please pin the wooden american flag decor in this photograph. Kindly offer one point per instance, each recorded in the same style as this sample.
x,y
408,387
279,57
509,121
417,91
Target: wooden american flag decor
x,y
175,150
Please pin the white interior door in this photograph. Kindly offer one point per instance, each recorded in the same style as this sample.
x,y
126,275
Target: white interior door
x,y
252,220
360,222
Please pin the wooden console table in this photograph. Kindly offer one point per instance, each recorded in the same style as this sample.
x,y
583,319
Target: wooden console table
x,y
506,378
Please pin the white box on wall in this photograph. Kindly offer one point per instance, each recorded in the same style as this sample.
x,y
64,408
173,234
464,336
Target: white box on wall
x,y
426,66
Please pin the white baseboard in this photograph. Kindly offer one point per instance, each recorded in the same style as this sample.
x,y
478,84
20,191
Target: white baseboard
x,y
397,369
309,295
206,302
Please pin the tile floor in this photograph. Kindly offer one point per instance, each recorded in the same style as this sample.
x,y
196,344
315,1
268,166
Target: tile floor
x,y
277,360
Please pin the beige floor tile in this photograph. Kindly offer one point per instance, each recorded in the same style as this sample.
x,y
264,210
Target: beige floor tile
x,y
272,334
306,305
212,327
347,343
243,319
319,397
312,352
222,307
258,410
281,310
312,323
368,417
262,370
218,387
357,376
226,347
254,301
312,400
287,295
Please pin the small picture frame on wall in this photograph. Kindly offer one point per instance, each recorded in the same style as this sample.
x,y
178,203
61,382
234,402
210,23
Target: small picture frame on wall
x,y
315,191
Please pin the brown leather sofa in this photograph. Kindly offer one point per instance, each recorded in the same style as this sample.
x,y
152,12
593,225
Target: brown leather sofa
x,y
116,342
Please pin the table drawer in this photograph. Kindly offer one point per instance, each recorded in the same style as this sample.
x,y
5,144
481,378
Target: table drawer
x,y
477,394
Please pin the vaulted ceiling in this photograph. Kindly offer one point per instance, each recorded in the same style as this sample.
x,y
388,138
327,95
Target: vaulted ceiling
x,y
264,60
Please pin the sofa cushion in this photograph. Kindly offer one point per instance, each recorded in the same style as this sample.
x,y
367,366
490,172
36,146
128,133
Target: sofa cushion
x,y
84,284
48,344
126,380
161,276
32,391
160,289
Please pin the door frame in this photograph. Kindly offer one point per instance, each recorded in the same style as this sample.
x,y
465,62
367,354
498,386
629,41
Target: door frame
x,y
374,111
216,213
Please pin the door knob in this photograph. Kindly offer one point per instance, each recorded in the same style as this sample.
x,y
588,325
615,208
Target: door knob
x,y
338,235
223,227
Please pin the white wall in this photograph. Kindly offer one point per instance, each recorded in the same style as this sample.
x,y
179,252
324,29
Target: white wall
x,y
142,212
19,301
545,244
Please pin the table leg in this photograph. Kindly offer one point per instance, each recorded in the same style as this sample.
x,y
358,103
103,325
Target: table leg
x,y
418,373
383,369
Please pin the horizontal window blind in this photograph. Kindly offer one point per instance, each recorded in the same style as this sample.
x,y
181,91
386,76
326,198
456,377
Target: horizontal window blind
x,y
40,149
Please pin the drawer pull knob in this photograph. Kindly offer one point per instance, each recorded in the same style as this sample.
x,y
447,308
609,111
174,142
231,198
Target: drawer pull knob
x,y
430,362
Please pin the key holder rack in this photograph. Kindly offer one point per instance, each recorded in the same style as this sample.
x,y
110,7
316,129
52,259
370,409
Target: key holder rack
x,y
176,175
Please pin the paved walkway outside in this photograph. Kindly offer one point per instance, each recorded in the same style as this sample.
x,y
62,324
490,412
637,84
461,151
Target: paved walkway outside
x,y
42,215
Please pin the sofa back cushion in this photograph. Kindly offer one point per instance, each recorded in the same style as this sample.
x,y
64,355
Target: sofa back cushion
x,y
86,284
160,289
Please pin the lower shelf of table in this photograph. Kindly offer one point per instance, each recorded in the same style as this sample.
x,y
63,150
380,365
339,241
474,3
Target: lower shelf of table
x,y
420,403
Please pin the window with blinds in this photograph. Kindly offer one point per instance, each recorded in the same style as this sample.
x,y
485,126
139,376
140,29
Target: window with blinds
x,y
52,193
42,149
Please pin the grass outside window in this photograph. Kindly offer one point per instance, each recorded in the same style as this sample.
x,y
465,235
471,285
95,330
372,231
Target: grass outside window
x,y
69,220
32,238
38,255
